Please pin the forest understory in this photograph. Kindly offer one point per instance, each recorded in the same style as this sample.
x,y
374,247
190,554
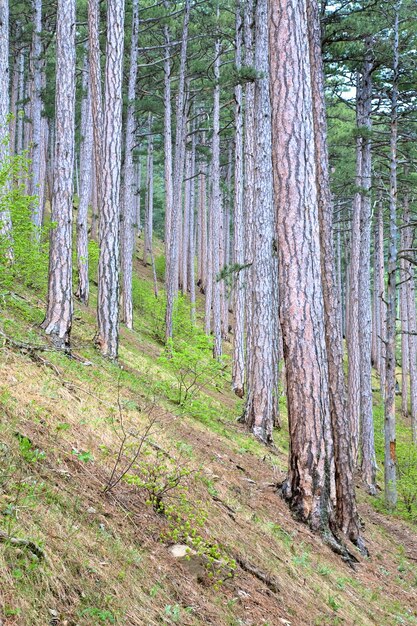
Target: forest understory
x,y
105,554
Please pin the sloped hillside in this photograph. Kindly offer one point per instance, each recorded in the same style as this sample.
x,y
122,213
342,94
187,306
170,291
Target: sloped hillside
x,y
129,494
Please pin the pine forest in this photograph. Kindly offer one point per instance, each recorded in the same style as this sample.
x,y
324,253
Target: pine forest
x,y
208,312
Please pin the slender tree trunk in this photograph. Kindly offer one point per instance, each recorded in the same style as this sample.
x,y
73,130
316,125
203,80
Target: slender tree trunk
x,y
191,249
353,346
86,159
368,458
19,139
390,458
405,357
58,320
108,267
167,137
216,203
37,111
96,104
128,204
148,223
13,104
209,266
5,219
261,378
249,176
173,256
310,486
382,307
346,509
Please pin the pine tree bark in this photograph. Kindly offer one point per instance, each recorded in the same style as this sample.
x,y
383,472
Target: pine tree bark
x,y
367,444
37,112
148,222
172,261
346,510
128,205
261,378
216,203
86,161
353,346
167,135
58,320
108,267
310,486
390,456
5,219
96,104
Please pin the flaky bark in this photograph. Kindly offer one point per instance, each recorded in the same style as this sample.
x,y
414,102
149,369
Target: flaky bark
x,y
346,509
96,104
108,267
216,204
5,220
238,368
59,310
37,113
310,486
367,445
352,338
259,408
172,261
127,233
86,161
390,457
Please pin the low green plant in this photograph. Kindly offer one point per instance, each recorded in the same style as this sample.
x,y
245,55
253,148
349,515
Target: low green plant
x,y
192,368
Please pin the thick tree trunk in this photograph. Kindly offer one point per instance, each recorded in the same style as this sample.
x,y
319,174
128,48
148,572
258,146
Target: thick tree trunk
x,y
128,205
390,457
108,267
346,509
259,409
59,310
310,486
86,160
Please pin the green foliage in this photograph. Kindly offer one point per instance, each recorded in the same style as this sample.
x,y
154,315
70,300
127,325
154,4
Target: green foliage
x,y
30,260
193,368
166,482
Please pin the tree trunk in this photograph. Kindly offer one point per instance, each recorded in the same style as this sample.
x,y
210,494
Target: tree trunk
x,y
5,219
368,458
148,222
96,105
238,367
261,378
346,509
86,159
390,457
167,136
37,112
353,346
216,203
108,267
172,260
58,320
128,205
310,486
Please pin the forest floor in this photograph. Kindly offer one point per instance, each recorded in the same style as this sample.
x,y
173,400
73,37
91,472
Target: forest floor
x,y
96,555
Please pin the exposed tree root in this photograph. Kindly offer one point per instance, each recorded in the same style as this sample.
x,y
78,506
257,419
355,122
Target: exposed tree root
x,y
269,581
22,543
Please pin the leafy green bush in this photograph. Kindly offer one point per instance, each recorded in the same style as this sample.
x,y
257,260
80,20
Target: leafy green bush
x,y
193,368
30,247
